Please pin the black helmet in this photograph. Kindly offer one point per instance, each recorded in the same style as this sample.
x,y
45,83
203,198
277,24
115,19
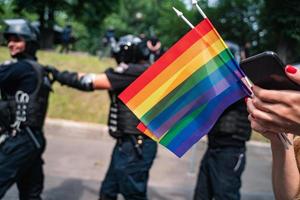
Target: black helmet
x,y
25,30
21,28
130,49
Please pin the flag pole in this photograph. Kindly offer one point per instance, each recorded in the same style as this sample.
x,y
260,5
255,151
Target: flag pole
x,y
244,79
282,136
194,2
180,14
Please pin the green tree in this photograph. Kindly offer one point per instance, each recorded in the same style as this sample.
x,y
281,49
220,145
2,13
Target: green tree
x,y
90,13
237,20
152,17
281,23
46,15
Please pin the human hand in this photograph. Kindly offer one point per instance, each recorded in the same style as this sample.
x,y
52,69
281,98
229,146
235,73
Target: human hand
x,y
277,111
53,71
257,125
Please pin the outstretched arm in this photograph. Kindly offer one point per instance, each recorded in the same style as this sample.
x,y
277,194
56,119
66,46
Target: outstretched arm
x,y
81,81
101,82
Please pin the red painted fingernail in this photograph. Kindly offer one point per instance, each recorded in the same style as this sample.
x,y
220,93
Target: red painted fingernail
x,y
246,99
290,69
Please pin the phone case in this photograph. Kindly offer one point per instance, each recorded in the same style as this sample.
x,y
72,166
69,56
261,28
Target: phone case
x,y
266,70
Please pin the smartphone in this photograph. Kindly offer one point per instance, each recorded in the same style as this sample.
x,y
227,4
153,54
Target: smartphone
x,y
266,70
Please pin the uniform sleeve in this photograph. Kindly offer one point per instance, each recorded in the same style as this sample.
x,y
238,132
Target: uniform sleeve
x,y
119,80
8,73
12,73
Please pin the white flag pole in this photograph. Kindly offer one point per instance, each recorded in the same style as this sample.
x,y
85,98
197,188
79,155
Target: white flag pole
x,y
194,2
180,14
282,136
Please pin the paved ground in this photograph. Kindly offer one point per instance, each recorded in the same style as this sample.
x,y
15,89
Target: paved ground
x,y
77,157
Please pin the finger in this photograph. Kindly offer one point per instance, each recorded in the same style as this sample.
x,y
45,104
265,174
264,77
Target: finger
x,y
264,106
250,106
269,121
256,126
271,96
293,73
285,112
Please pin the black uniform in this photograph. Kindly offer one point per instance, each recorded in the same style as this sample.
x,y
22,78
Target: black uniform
x,y
224,161
24,86
134,152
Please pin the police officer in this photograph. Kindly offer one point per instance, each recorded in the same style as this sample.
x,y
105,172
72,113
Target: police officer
x,y
134,152
24,97
221,168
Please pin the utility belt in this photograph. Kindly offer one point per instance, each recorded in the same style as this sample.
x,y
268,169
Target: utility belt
x,y
32,133
136,140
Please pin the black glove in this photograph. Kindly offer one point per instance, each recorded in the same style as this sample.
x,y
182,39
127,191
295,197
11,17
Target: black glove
x,y
70,79
53,72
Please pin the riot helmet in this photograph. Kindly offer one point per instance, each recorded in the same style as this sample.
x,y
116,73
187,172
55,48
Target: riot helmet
x,y
23,29
130,49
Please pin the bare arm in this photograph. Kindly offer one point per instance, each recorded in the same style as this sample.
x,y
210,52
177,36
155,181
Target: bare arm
x,y
101,82
285,173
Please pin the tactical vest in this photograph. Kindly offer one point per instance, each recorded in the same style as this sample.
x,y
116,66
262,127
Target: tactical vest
x,y
233,126
121,120
30,109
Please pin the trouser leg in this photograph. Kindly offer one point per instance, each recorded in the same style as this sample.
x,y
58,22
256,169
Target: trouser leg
x,y
226,167
16,153
135,173
31,181
109,188
203,189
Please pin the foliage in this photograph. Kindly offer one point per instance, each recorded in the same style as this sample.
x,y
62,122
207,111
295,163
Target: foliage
x,y
266,24
281,22
152,17
237,20
88,13
170,27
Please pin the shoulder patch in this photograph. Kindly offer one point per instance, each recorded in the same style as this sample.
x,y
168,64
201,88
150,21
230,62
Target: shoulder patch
x,y
121,68
8,62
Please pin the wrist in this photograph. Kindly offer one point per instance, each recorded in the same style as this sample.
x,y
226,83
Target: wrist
x,y
276,144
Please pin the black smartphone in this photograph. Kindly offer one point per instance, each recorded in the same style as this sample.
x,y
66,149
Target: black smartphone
x,y
266,70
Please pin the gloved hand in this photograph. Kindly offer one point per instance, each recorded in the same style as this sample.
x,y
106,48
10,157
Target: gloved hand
x,y
53,72
70,79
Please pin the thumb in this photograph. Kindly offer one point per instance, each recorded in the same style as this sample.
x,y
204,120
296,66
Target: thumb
x,y
293,73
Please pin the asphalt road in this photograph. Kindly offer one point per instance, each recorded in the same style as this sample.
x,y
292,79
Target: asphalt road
x,y
78,154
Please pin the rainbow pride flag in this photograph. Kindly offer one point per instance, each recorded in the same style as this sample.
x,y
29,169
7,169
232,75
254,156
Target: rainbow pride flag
x,y
180,97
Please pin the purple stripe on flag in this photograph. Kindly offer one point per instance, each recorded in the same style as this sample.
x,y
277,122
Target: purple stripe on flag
x,y
200,100
206,127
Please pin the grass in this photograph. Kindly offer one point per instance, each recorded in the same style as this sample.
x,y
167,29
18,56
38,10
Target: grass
x,y
67,103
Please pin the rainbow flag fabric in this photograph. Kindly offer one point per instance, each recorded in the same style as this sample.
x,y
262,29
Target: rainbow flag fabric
x,y
180,97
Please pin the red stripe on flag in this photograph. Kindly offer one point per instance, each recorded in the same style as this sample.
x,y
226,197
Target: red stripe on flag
x,y
141,127
174,52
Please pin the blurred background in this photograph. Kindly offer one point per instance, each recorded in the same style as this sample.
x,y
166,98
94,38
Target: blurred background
x,y
248,26
76,162
259,24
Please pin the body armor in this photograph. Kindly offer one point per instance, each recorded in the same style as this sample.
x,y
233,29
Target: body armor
x,y
28,110
232,128
121,120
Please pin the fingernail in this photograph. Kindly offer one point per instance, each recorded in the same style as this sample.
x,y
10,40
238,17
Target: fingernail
x,y
252,116
290,69
246,99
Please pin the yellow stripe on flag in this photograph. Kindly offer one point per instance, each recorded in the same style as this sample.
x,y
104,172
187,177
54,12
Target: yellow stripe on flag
x,y
177,78
181,61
